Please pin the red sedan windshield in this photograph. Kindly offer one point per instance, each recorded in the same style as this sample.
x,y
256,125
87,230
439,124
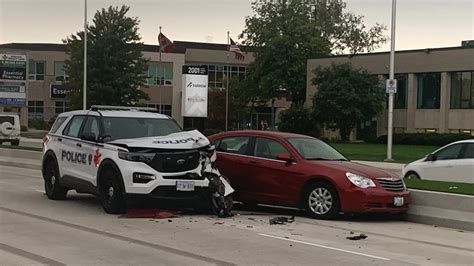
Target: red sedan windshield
x,y
314,149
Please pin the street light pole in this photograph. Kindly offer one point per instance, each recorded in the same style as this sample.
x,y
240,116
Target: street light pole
x,y
391,77
84,100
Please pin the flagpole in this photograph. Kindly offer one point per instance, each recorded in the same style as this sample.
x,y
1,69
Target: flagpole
x,y
84,99
160,108
227,86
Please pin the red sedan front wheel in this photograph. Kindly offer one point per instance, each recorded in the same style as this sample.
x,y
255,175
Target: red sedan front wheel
x,y
322,201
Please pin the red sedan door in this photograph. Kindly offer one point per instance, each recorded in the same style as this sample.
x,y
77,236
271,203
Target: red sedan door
x,y
273,181
232,162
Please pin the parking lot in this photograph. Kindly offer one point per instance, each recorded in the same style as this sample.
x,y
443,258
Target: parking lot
x,y
77,231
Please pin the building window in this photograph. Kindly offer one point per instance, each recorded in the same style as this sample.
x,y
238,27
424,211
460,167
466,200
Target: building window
x,y
462,90
35,110
159,75
163,109
462,131
426,130
399,130
61,107
429,87
217,74
400,98
36,70
59,73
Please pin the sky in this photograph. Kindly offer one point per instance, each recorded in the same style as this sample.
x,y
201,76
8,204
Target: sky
x,y
420,23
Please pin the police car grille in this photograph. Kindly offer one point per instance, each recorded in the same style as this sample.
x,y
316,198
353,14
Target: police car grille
x,y
173,162
391,185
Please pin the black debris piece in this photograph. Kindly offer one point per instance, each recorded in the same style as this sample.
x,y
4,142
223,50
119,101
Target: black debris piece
x,y
169,221
282,220
357,237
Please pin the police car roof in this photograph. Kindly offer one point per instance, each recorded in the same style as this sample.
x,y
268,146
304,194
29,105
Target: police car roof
x,y
118,113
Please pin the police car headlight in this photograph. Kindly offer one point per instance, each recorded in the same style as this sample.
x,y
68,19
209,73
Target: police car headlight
x,y
136,156
360,181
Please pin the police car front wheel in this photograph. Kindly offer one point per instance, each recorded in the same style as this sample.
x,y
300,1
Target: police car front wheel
x,y
111,194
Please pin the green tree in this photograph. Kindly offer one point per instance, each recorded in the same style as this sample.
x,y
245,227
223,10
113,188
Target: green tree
x,y
345,97
297,119
286,33
115,65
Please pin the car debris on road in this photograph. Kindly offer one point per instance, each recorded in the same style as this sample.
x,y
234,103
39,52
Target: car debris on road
x,y
357,237
282,220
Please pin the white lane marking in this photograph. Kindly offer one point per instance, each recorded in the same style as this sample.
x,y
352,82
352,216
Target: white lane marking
x,y
40,191
326,247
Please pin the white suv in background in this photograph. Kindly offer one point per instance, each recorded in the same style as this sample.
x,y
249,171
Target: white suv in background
x,y
119,152
10,128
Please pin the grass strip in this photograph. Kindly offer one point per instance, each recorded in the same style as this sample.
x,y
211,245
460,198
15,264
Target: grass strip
x,y
441,186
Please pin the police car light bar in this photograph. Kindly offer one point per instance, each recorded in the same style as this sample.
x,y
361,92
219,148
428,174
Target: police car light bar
x,y
122,108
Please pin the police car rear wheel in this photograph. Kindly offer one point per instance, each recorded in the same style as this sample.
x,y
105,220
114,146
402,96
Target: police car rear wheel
x,y
52,187
111,194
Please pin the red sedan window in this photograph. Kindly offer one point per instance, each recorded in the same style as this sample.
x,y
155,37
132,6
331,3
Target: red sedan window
x,y
267,148
238,145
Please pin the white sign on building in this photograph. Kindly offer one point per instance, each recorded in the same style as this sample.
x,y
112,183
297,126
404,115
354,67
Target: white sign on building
x,y
195,91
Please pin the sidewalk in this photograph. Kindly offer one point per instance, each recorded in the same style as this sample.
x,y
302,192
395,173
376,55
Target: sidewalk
x,y
383,165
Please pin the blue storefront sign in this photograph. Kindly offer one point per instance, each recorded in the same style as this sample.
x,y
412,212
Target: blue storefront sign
x,y
13,101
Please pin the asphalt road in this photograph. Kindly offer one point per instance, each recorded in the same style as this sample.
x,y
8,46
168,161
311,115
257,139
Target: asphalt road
x,y
35,230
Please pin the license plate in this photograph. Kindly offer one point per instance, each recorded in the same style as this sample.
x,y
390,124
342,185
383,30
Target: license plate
x,y
398,201
184,185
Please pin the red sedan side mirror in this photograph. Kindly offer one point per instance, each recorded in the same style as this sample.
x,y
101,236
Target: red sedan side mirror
x,y
285,157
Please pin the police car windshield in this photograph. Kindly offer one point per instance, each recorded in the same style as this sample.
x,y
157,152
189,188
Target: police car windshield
x,y
137,127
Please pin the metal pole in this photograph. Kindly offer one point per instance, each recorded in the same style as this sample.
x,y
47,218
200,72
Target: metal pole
x,y
84,100
227,86
391,76
160,88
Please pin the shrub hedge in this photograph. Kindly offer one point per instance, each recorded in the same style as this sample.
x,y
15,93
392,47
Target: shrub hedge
x,y
434,139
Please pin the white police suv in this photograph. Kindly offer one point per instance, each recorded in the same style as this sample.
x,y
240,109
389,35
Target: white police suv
x,y
119,152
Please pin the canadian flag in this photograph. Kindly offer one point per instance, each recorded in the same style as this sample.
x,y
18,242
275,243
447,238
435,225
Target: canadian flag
x,y
166,46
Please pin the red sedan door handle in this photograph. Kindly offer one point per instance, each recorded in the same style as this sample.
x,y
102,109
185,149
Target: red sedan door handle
x,y
253,162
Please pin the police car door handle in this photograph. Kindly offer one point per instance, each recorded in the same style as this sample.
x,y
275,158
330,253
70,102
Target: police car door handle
x,y
60,139
78,144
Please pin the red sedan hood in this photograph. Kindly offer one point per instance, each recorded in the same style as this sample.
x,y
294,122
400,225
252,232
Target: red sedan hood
x,y
355,168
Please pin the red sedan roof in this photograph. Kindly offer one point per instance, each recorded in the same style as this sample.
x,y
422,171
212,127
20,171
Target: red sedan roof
x,y
261,133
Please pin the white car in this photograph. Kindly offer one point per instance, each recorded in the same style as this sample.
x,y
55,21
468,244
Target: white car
x,y
120,152
453,162
10,128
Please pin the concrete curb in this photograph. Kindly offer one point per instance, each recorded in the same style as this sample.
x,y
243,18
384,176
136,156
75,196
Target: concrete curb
x,y
442,209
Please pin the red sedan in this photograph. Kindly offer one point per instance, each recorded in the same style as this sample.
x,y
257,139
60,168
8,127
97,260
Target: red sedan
x,y
300,171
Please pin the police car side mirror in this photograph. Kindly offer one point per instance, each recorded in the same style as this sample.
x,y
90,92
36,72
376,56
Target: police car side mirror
x,y
88,136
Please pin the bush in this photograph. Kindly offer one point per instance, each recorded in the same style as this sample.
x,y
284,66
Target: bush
x,y
433,139
39,124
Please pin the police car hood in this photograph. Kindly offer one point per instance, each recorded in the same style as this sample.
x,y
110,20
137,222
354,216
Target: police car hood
x,y
181,140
